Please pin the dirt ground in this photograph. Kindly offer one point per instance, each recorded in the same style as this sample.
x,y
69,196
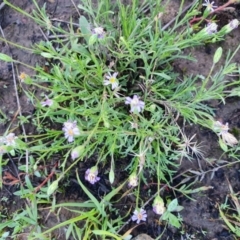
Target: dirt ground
x,y
201,219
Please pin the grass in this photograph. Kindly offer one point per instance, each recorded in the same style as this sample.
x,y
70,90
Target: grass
x,y
109,92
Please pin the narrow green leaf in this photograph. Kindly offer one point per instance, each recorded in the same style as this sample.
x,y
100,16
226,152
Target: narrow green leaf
x,y
113,192
102,232
46,55
84,26
223,145
69,231
163,75
5,58
92,39
95,201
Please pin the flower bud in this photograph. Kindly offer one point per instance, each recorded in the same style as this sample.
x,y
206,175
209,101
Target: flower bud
x,y
53,187
77,152
152,107
211,28
158,206
133,180
230,26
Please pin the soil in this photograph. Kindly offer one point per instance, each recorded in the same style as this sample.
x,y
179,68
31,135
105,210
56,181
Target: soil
x,y
201,218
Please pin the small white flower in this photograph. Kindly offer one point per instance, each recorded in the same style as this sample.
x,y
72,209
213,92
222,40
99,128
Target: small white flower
x,y
9,140
211,28
135,103
99,31
139,215
209,6
70,130
111,79
48,102
134,125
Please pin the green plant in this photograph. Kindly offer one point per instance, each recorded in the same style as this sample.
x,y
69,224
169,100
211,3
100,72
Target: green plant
x,y
111,92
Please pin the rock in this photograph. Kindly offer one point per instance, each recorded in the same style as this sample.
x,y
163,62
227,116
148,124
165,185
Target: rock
x,y
143,237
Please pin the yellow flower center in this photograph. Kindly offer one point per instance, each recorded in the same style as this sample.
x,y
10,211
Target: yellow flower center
x,y
140,216
91,176
70,132
23,76
112,79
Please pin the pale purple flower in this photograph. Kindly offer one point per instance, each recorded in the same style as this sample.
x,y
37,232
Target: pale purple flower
x,y
48,102
209,6
136,104
91,175
9,140
133,180
99,31
211,28
70,130
111,79
139,215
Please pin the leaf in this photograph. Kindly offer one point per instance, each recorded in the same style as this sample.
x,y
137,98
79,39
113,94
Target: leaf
x,y
226,221
173,220
172,205
84,26
28,183
230,68
165,215
92,39
102,232
5,58
195,172
223,145
179,208
95,201
69,231
46,55
113,192
163,75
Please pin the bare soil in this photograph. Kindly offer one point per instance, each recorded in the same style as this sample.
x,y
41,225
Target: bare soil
x,y
200,216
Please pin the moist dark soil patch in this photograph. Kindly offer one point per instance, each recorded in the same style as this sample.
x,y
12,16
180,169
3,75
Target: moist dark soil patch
x,y
201,219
